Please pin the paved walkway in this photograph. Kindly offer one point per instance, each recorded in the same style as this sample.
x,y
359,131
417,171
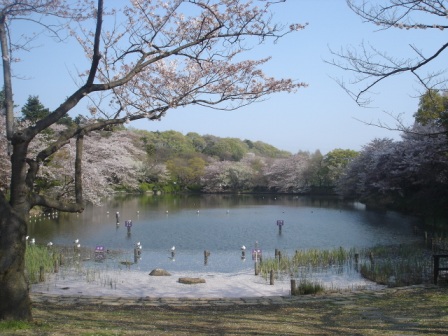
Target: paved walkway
x,y
341,298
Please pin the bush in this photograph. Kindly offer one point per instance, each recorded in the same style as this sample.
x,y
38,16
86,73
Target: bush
x,y
307,287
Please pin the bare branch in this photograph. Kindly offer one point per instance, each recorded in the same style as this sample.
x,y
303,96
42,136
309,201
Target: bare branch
x,y
371,66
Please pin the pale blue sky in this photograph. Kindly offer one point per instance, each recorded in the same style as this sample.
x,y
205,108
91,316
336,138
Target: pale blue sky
x,y
321,116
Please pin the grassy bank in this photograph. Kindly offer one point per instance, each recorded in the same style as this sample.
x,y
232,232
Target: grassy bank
x,y
408,311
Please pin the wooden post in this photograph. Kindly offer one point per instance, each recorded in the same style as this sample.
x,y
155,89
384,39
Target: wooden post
x,y
56,266
257,269
41,274
271,277
436,268
136,254
206,255
61,259
293,287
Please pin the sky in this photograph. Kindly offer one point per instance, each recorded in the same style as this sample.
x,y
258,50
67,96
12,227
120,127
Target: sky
x,y
320,117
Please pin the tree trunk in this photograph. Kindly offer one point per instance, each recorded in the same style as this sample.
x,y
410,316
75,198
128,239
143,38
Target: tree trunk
x,y
15,303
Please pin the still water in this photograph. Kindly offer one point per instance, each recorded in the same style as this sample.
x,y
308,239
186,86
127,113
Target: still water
x,y
221,224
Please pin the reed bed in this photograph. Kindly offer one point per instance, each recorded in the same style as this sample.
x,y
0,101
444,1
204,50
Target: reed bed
x,y
386,265
36,257
306,287
401,265
312,260
62,262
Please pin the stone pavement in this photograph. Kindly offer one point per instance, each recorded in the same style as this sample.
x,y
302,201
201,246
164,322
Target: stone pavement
x,y
344,297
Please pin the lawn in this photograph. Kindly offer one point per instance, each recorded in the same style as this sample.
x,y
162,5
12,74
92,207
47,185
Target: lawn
x,y
403,311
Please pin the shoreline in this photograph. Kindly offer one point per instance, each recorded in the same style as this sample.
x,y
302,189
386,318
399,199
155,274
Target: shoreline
x,y
132,283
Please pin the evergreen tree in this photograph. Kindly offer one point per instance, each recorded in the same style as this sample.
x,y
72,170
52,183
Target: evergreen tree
x,y
34,110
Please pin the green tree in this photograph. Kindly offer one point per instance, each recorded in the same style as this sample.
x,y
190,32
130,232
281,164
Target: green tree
x,y
197,141
433,108
34,110
230,149
263,149
186,172
314,173
335,163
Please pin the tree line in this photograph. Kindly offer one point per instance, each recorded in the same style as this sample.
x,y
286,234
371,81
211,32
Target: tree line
x,y
411,174
407,175
127,159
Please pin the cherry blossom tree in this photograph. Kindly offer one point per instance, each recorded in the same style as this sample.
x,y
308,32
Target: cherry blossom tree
x,y
421,167
363,178
289,174
407,174
111,158
145,58
228,176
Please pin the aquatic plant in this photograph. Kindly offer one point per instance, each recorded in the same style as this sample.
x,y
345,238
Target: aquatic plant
x,y
37,256
307,287
312,260
401,265
397,265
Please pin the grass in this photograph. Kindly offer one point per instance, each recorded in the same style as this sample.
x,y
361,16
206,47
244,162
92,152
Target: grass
x,y
408,311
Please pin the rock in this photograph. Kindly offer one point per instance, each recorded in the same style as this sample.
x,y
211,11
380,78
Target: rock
x,y
159,272
191,281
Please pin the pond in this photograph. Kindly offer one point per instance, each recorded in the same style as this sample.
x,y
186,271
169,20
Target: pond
x,y
221,224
